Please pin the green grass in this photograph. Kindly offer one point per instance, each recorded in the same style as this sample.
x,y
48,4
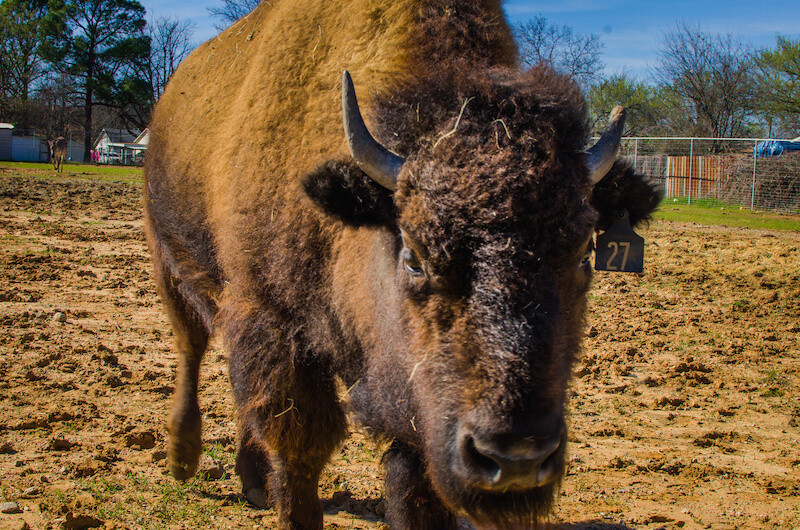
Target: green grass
x,y
775,381
129,174
701,211
717,213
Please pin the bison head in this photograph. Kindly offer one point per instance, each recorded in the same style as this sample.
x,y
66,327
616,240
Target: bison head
x,y
493,207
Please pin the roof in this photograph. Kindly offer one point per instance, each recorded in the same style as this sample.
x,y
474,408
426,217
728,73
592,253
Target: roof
x,y
143,138
118,136
127,145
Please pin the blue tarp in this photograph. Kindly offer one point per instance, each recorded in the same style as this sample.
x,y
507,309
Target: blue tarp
x,y
774,148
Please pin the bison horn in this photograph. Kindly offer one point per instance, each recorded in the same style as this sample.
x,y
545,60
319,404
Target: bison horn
x,y
375,160
604,152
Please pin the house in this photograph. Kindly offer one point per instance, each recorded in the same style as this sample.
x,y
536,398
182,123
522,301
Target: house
x,y
119,146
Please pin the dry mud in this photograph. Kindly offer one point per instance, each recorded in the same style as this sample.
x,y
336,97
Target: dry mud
x,y
685,408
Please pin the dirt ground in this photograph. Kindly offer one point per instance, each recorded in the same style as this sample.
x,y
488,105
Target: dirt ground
x,y
685,409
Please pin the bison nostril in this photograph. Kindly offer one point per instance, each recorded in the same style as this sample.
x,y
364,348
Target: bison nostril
x,y
487,467
500,462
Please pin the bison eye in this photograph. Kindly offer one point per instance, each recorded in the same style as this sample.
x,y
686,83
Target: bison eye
x,y
411,262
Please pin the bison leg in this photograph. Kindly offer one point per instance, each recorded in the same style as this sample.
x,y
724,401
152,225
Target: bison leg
x,y
411,501
294,487
288,409
191,340
184,423
252,466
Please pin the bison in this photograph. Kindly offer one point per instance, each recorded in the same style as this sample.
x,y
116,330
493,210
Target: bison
x,y
413,248
58,152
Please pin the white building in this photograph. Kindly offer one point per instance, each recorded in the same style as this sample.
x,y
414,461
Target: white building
x,y
118,146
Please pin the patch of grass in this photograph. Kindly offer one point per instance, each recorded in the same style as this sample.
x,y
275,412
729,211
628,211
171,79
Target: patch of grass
x,y
140,482
104,487
69,427
215,451
129,174
104,491
775,381
704,203
173,504
18,240
717,213
741,303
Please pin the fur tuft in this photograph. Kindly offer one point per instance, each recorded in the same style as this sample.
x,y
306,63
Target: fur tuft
x,y
342,190
624,189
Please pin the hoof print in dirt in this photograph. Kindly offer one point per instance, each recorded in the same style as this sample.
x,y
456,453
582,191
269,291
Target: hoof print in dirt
x,y
140,440
80,522
59,443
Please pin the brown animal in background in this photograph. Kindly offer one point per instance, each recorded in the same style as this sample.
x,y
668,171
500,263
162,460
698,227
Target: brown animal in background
x,y
439,275
58,152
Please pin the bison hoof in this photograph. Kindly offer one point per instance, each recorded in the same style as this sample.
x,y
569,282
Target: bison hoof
x,y
258,497
182,471
183,455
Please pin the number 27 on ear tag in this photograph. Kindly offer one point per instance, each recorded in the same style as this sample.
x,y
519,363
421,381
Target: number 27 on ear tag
x,y
619,248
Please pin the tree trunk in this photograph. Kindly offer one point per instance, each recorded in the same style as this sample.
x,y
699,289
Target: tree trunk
x,y
87,110
87,125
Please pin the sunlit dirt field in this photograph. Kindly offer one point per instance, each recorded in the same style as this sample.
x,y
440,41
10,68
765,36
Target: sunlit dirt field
x,y
685,408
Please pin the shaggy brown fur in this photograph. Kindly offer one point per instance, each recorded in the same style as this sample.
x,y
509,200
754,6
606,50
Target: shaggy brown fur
x,y
453,307
623,189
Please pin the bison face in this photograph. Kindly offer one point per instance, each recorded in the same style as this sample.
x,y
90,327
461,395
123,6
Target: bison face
x,y
494,276
493,226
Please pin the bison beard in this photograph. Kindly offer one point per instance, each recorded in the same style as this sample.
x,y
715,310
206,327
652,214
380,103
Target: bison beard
x,y
446,289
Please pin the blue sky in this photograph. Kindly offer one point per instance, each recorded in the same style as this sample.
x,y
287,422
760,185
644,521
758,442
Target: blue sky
x,y
629,29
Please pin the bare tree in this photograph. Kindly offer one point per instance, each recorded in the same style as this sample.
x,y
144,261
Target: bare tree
x,y
170,43
58,106
647,108
575,55
229,11
713,74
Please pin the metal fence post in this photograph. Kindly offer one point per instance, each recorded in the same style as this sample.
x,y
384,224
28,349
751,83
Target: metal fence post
x,y
635,152
691,154
753,184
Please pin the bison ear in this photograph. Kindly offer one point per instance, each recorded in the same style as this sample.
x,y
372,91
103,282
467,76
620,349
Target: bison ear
x,y
624,189
343,191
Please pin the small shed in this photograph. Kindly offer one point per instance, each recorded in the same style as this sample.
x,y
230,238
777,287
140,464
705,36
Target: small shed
x,y
5,141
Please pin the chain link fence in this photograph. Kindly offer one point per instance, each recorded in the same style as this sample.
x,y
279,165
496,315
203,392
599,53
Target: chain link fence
x,y
712,171
720,171
31,145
